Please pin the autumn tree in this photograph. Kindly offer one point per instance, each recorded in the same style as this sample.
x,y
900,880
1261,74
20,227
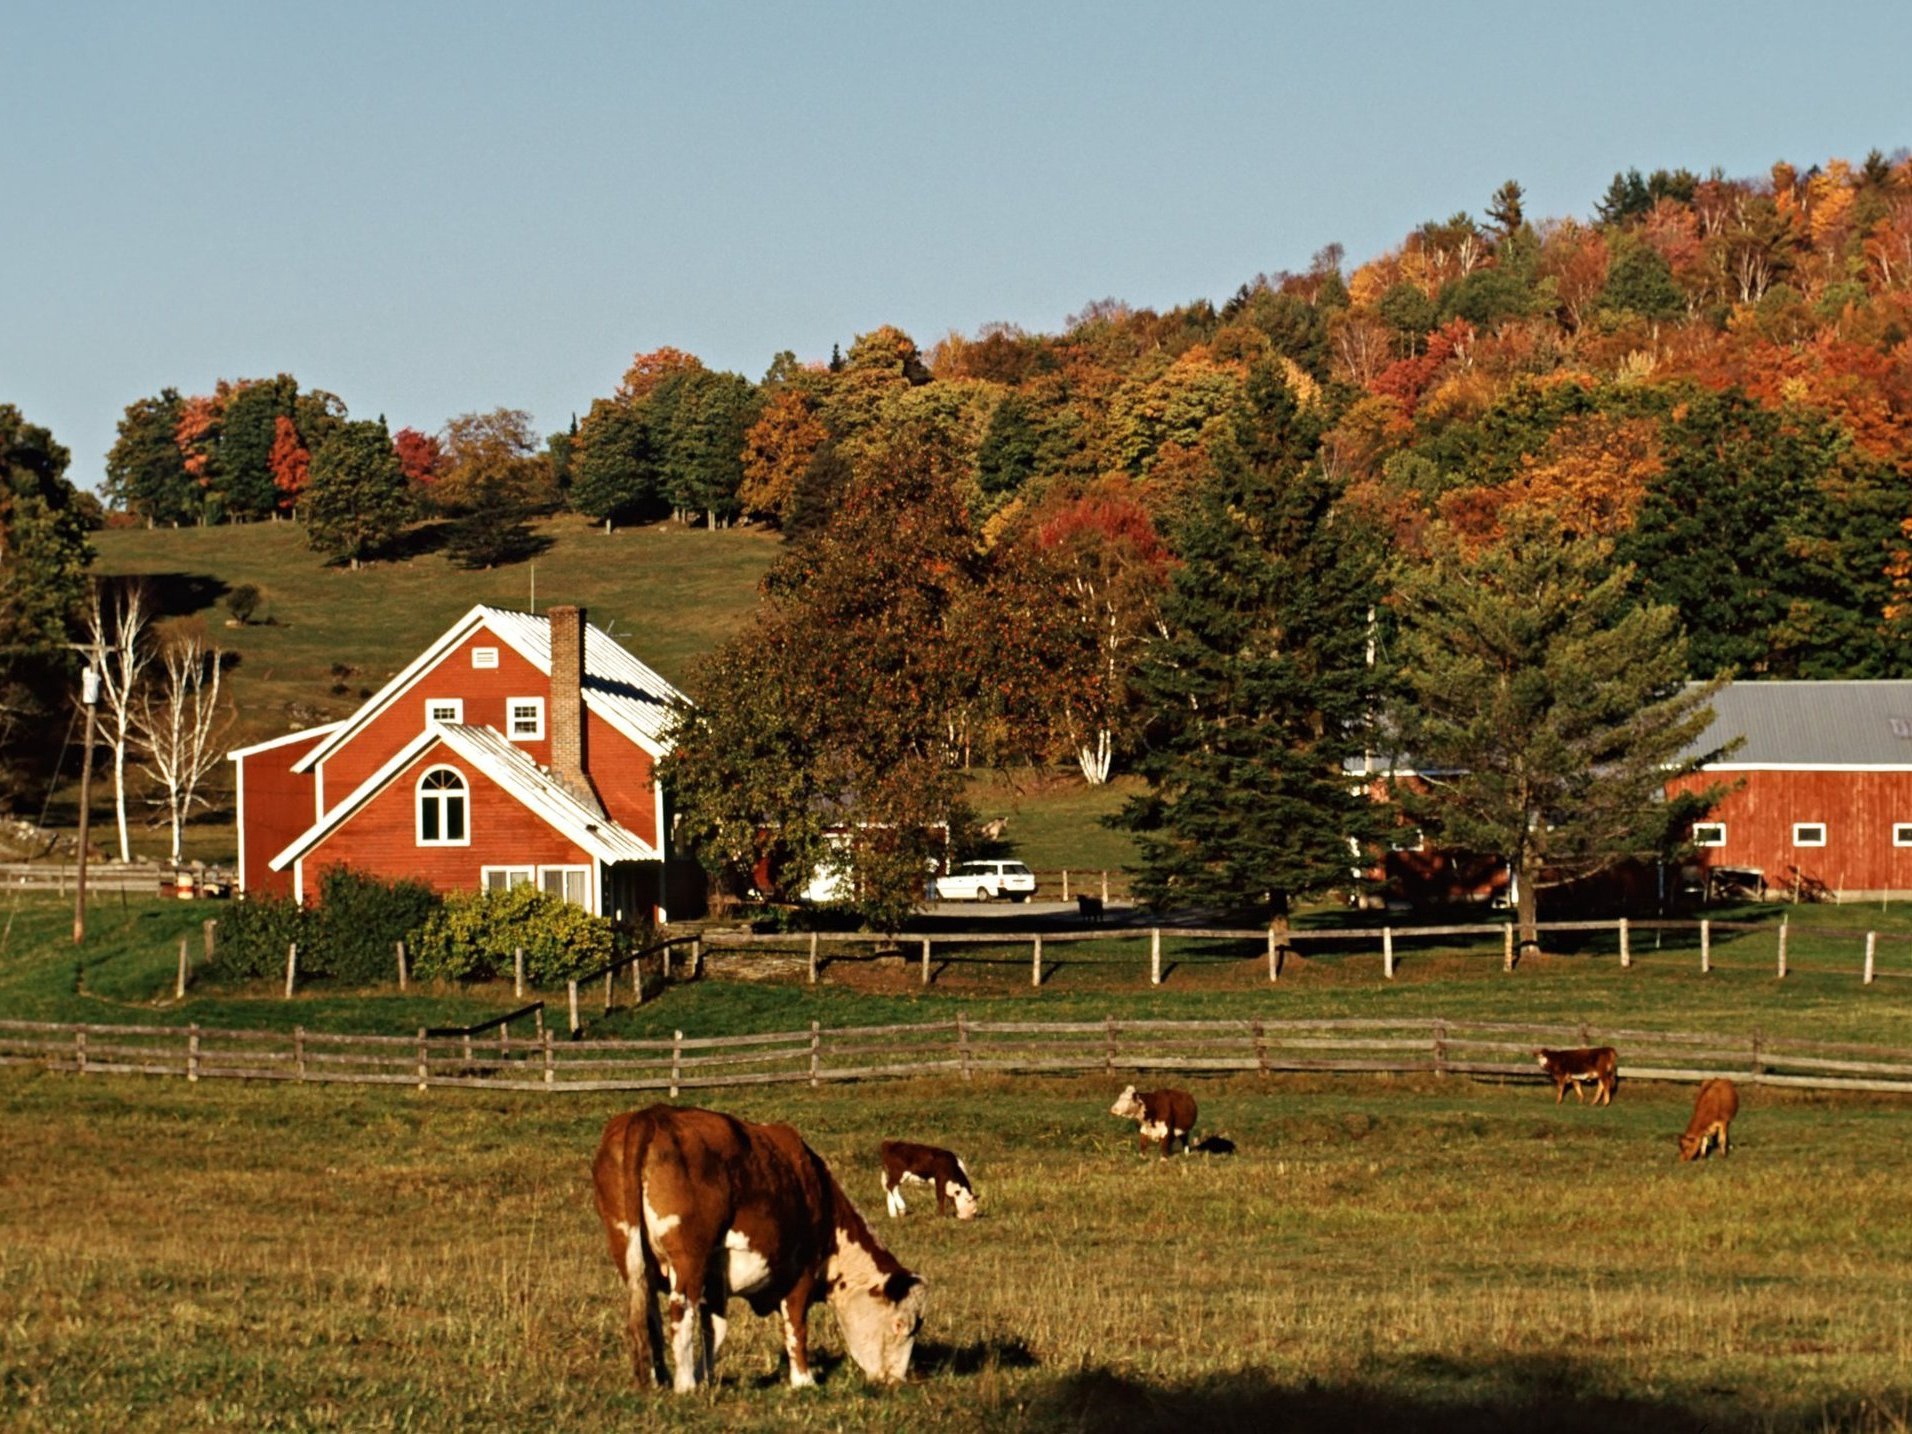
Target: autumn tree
x,y
778,448
291,462
249,429
419,457
357,500
1541,708
491,454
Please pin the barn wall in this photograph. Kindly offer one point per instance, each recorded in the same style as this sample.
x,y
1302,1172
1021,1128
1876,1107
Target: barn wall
x,y
1858,809
277,805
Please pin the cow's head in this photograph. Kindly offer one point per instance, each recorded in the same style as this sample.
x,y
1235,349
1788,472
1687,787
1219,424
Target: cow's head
x,y
966,1202
879,1325
1126,1105
1691,1146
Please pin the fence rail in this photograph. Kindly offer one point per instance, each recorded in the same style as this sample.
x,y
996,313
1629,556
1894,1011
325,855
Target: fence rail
x,y
958,1049
150,878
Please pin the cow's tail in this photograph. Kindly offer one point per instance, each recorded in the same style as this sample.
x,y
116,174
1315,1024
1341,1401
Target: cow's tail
x,y
620,1187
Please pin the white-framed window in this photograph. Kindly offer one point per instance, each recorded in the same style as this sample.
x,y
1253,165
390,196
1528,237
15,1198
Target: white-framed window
x,y
1902,833
444,709
524,719
484,657
573,883
503,878
1709,833
444,808
1809,833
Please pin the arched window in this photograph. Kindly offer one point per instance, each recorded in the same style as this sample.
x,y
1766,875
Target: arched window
x,y
441,809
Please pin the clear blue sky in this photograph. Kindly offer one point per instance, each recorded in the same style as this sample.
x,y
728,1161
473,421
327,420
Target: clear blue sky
x,y
434,208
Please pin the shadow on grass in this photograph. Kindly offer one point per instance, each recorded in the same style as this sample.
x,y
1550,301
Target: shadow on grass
x,y
1515,1394
182,594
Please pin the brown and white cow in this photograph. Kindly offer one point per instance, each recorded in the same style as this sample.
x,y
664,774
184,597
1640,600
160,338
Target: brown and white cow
x,y
1598,1064
705,1207
907,1163
1164,1115
1718,1103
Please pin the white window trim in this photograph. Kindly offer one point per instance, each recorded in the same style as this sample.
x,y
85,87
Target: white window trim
x,y
1902,833
485,873
484,657
418,809
511,721
457,705
1709,834
567,868
1799,827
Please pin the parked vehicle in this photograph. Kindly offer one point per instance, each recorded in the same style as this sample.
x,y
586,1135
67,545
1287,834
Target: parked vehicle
x,y
985,881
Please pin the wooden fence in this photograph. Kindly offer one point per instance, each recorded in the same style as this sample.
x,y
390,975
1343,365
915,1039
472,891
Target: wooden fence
x,y
141,877
955,1050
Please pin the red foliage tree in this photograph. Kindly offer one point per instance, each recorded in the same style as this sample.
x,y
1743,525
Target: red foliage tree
x,y
290,462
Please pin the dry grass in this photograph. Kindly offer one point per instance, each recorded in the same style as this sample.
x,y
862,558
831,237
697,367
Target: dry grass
x,y
1405,1253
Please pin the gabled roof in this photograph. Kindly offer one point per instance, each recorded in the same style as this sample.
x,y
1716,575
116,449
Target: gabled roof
x,y
620,689
508,766
305,734
1807,725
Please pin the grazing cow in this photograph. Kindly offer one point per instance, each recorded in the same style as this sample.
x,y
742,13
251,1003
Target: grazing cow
x,y
704,1207
1718,1103
906,1163
1164,1115
1595,1063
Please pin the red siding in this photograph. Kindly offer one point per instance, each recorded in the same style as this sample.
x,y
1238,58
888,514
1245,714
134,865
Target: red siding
x,y
1858,810
276,805
383,835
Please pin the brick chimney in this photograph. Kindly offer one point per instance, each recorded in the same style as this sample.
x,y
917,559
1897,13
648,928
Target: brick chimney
x,y
569,761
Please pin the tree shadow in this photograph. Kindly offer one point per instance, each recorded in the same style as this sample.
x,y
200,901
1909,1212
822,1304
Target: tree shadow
x,y
179,594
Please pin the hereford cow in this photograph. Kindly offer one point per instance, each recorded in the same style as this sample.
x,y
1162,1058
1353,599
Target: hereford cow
x,y
704,1207
1718,1103
1164,1115
906,1163
1596,1063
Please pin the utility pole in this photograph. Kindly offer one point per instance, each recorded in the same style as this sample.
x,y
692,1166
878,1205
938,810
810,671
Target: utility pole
x,y
90,699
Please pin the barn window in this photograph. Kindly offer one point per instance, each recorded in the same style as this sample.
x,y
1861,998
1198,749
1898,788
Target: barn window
x,y
503,878
572,883
444,709
442,808
484,657
1902,834
524,719
1709,833
1809,833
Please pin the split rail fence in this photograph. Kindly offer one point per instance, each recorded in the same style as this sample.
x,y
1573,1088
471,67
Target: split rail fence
x,y
493,1056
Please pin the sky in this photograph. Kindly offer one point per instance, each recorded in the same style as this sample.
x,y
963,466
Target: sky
x,y
439,208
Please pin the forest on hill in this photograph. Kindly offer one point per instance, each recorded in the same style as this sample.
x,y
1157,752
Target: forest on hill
x,y
1685,412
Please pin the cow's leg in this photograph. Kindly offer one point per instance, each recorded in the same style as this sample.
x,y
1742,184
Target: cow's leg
x,y
893,1198
796,1333
1560,1091
1722,1140
715,1323
686,1321
645,1328
944,1204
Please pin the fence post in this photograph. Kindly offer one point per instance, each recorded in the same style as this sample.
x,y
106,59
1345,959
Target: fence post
x,y
517,971
575,1028
1155,956
192,1052
424,1061
1261,1049
467,1049
816,1053
1065,883
1108,1023
926,960
1507,954
1274,955
637,979
1105,888
1757,1043
1706,946
609,978
1035,965
210,927
1626,950
79,1052
550,1061
1387,952
813,958
404,972
962,1042
1782,950
677,1061
291,967
298,1050
1440,1048
1872,943
179,985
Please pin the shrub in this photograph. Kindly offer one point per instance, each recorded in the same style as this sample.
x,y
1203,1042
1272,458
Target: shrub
x,y
254,934
471,937
243,601
361,919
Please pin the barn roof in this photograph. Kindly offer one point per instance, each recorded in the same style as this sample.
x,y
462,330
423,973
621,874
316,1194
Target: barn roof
x,y
1830,725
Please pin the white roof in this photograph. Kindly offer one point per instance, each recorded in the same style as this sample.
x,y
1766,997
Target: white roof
x,y
508,766
266,746
623,691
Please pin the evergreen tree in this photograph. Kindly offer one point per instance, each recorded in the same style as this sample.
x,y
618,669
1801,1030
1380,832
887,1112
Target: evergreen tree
x,y
357,499
245,445
1006,458
1626,198
613,463
145,471
1261,687
1542,708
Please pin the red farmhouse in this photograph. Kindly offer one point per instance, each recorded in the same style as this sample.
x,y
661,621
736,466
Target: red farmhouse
x,y
516,748
1822,803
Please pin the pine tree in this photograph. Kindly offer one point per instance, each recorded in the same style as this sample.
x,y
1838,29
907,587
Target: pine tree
x,y
1262,686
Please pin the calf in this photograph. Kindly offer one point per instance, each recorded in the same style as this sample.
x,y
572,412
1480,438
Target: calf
x,y
1163,1115
1718,1103
906,1163
1592,1063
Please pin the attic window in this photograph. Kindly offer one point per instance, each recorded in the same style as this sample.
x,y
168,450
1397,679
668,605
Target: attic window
x,y
1709,833
444,709
525,719
1809,833
484,657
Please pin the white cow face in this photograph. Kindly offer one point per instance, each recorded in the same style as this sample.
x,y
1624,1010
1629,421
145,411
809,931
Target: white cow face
x,y
880,1333
1126,1105
966,1202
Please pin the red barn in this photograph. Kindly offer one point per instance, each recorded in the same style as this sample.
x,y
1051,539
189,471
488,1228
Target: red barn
x,y
516,748
1822,803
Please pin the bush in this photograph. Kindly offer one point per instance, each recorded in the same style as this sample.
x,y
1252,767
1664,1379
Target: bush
x,y
243,601
254,934
471,937
360,920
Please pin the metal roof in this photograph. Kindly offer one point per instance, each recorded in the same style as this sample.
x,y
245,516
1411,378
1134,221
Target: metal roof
x,y
1812,724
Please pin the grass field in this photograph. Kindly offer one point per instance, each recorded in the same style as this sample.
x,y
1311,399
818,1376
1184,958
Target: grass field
x,y
1406,1252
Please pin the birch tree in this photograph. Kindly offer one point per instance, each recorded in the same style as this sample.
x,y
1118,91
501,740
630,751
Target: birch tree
x,y
120,653
179,727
